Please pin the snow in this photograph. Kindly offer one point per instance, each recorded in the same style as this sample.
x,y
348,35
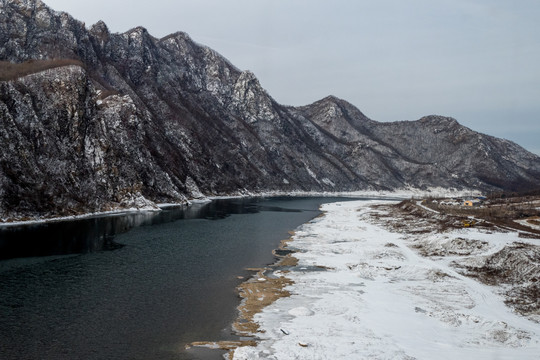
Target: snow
x,y
526,223
419,203
328,182
311,173
193,189
360,292
403,193
393,194
120,211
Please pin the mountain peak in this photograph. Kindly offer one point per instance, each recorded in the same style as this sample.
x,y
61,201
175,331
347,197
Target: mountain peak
x,y
438,119
138,32
331,98
177,35
100,27
170,119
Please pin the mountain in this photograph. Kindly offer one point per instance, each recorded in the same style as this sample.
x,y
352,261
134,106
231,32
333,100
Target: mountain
x,y
92,120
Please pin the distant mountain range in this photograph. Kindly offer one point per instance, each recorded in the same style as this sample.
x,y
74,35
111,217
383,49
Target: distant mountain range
x,y
92,120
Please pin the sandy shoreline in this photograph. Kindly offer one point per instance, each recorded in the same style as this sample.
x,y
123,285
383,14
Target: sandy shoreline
x,y
363,285
259,291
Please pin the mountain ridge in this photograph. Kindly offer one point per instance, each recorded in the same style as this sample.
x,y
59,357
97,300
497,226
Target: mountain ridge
x,y
147,120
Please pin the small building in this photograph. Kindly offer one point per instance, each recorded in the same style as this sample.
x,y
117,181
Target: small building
x,y
474,202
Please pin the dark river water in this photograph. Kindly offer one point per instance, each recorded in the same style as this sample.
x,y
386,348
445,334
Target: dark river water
x,y
136,286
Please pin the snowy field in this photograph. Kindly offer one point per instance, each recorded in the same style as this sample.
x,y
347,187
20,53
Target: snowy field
x,y
363,292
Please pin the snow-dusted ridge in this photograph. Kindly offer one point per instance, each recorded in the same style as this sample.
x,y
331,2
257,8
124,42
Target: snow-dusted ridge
x,y
173,120
375,297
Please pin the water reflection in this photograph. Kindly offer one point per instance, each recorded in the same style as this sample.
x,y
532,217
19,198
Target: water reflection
x,y
67,237
98,233
172,283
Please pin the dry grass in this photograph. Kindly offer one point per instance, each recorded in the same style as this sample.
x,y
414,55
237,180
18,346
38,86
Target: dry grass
x,y
13,71
525,299
108,92
500,212
223,345
261,291
515,266
494,210
528,235
257,294
401,216
288,260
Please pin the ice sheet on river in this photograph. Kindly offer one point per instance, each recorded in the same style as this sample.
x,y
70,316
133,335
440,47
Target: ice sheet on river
x,y
360,292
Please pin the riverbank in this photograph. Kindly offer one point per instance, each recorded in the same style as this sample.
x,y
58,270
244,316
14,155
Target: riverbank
x,y
171,283
377,280
144,205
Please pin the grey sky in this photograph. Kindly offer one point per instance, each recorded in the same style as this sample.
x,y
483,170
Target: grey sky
x,y
475,60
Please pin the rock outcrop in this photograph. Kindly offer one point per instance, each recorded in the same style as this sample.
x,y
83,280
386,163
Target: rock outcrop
x,y
92,120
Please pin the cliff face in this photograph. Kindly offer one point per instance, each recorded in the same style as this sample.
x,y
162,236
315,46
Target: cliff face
x,y
91,120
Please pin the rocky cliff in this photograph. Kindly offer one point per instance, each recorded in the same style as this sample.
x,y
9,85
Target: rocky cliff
x,y
92,120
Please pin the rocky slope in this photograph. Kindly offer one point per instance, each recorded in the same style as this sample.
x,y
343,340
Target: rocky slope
x,y
92,120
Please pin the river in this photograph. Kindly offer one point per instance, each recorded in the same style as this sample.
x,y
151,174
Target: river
x,y
139,285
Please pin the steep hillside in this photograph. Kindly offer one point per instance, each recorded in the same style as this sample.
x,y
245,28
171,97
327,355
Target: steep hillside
x,y
120,120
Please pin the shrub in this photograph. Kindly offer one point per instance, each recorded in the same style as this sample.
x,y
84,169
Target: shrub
x,y
12,71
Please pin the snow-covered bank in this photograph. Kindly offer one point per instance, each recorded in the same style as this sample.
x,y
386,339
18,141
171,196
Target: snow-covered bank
x,y
404,193
43,220
119,211
361,292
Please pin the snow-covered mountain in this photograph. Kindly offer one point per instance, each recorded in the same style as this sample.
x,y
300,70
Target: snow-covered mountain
x,y
92,120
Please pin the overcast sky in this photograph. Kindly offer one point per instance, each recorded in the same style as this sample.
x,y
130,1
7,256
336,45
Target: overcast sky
x,y
475,60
